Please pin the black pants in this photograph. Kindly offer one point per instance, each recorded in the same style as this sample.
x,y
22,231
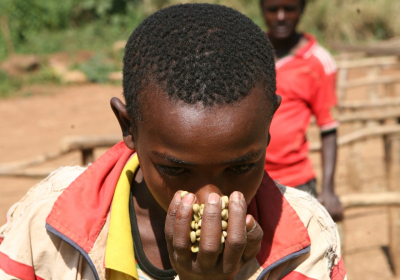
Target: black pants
x,y
309,187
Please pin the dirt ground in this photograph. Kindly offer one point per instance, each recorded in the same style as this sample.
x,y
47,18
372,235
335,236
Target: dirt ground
x,y
35,125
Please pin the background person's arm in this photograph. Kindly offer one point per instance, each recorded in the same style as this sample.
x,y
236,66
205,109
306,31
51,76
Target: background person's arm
x,y
327,196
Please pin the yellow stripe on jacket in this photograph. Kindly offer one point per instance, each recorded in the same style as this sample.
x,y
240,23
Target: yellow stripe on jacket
x,y
120,255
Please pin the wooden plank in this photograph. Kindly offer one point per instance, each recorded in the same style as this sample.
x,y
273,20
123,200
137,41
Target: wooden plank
x,y
370,199
33,173
72,143
368,62
18,165
360,134
372,115
369,81
372,50
383,102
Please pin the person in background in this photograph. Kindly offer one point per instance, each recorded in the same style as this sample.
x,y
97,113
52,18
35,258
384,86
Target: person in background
x,y
305,78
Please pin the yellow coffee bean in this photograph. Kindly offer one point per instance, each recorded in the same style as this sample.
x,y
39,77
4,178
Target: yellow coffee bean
x,y
224,225
222,204
202,206
198,239
196,208
183,193
198,232
222,239
193,237
225,214
200,223
193,225
196,218
196,226
226,200
224,234
195,248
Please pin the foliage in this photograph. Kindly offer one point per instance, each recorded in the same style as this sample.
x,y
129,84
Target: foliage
x,y
8,86
48,26
11,85
42,27
98,68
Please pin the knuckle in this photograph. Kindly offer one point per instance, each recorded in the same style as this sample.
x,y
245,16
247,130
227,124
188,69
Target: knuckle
x,y
236,245
182,215
180,246
168,234
257,237
209,249
212,216
230,269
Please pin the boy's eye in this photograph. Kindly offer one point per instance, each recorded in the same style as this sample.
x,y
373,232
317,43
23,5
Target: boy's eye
x,y
290,8
172,171
240,169
272,9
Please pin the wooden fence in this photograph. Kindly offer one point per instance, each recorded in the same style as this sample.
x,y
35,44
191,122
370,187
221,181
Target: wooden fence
x,y
376,114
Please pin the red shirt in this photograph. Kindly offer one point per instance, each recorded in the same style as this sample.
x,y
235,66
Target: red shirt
x,y
306,82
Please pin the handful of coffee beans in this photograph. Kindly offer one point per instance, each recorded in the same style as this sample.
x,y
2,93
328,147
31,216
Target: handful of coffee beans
x,y
195,225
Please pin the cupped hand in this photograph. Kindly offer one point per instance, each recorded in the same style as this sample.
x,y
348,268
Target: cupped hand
x,y
332,204
241,245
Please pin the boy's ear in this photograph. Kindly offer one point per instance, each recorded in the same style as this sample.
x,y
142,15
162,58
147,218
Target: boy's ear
x,y
279,100
124,120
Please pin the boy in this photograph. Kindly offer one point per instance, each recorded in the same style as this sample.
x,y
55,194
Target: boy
x,y
305,75
199,86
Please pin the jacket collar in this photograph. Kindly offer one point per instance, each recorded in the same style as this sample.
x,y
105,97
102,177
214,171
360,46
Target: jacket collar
x,y
284,232
81,210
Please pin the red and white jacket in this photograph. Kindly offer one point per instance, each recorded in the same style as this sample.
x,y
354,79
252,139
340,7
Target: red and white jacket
x,y
59,229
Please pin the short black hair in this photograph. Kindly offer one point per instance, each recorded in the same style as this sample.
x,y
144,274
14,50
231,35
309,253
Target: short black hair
x,y
303,4
198,53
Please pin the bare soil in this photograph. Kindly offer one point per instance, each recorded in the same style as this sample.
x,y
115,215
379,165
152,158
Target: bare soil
x,y
35,125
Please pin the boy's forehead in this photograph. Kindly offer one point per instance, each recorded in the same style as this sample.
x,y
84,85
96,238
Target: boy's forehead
x,y
246,119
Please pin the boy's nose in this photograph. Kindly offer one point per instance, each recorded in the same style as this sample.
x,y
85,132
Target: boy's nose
x,y
203,193
281,14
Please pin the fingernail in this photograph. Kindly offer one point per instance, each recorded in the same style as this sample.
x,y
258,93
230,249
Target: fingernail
x,y
188,199
250,223
236,196
177,197
213,198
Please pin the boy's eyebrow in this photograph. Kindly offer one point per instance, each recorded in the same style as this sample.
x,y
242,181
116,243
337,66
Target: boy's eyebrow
x,y
244,158
171,159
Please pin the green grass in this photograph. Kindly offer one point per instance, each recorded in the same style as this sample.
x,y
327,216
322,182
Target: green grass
x,y
331,21
99,67
11,86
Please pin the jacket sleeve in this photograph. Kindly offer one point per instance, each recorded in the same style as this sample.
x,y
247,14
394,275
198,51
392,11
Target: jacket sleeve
x,y
27,250
324,261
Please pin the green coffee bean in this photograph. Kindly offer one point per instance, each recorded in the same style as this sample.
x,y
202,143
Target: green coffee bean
x,y
193,237
195,248
196,208
226,200
198,211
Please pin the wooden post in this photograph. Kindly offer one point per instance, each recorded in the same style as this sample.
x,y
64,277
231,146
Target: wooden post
x,y
7,37
87,156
